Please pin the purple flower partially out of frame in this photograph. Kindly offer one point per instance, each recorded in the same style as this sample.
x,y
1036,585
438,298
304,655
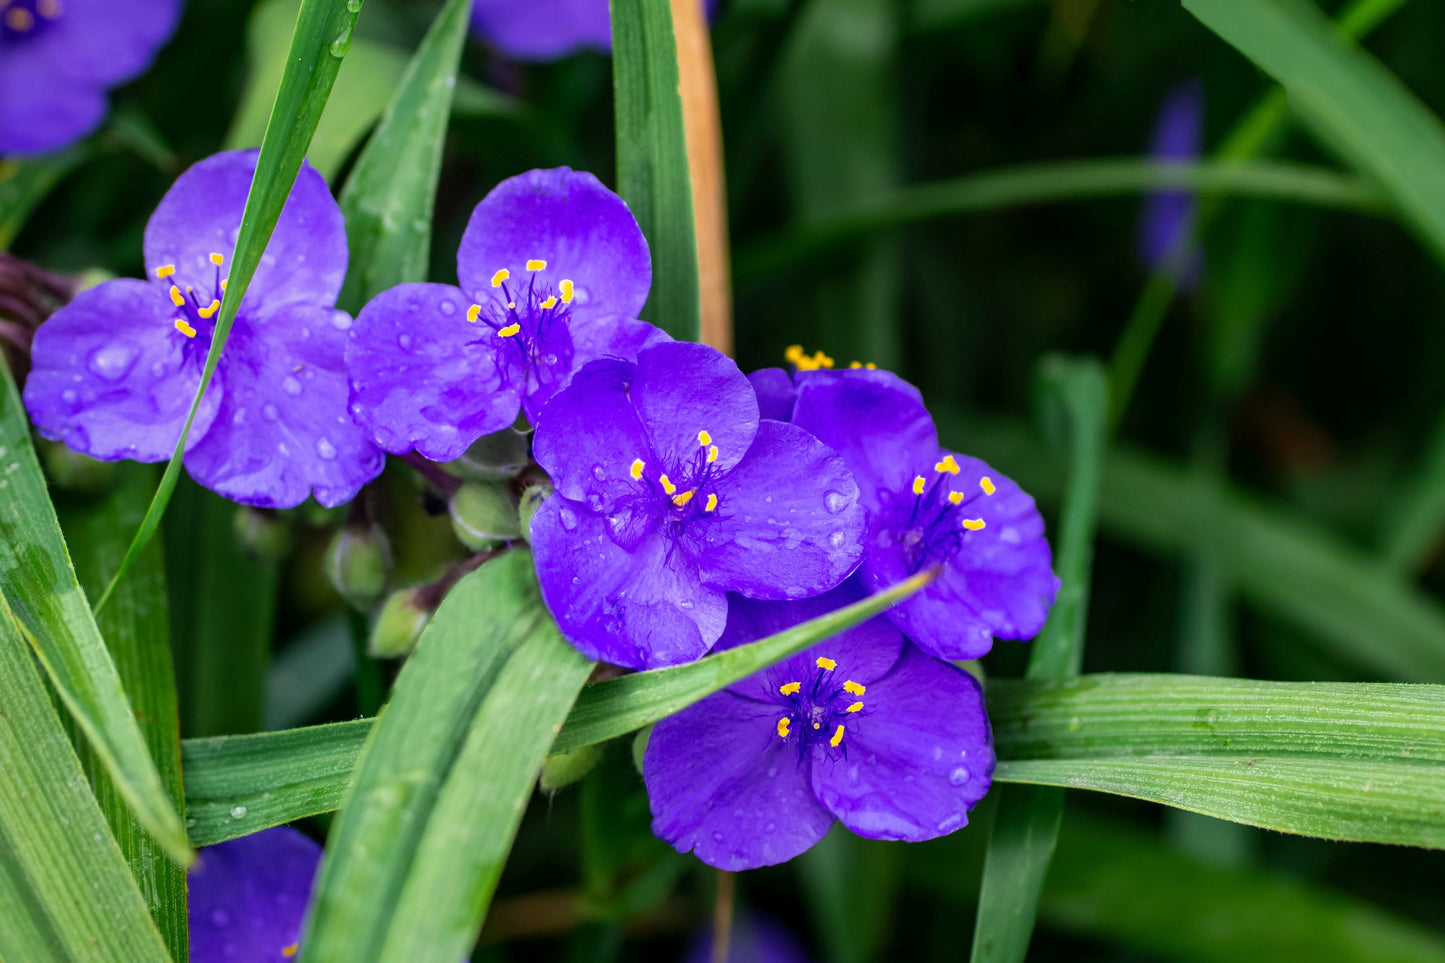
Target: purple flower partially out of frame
x,y
114,372
863,728
248,897
59,57
538,30
753,939
926,507
1169,215
553,271
669,495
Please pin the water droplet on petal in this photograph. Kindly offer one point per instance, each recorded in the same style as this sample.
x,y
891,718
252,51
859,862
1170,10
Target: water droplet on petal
x,y
835,502
68,396
958,777
448,307
112,362
270,412
220,918
568,519
770,828
837,539
325,449
952,822
403,341
291,385
717,837
795,591
599,473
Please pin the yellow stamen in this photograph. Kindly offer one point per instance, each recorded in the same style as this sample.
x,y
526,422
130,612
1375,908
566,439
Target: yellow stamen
x,y
955,498
568,290
826,663
511,305
290,951
793,353
973,524
177,298
855,707
918,482
703,438
854,688
184,327
209,309
223,284
711,504
790,688
817,725
165,271
682,498
509,330
549,304
636,470
711,454
986,483
666,484
217,259
474,312
837,737
499,277
948,465
19,19
783,724
536,264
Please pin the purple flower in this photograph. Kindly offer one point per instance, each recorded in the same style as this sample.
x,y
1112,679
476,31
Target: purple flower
x,y
114,372
1170,214
59,57
248,897
553,271
927,506
670,494
863,728
753,939
547,29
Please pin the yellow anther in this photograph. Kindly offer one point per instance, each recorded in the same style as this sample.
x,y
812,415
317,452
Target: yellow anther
x,y
948,465
290,951
955,498
509,330
856,364
209,309
499,277
223,284
536,264
165,270
837,736
19,19
682,498
568,290
711,454
973,524
703,438
666,484
854,688
549,304
918,483
474,312
217,259
855,707
793,353
790,688
986,483
783,724
184,327
871,366
826,663
177,298
817,725
711,504
511,305
636,470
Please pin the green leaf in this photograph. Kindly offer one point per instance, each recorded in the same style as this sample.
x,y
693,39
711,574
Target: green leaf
x,y
24,184
135,628
389,197
278,777
652,171
40,586
322,38
1075,405
64,888
1347,98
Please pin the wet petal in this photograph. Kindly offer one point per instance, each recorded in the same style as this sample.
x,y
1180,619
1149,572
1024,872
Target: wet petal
x,y
681,389
776,393
247,898
543,29
589,436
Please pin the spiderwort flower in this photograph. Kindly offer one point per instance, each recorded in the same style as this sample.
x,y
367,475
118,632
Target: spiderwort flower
x,y
59,57
541,30
669,494
926,507
247,897
553,271
1169,215
863,728
115,371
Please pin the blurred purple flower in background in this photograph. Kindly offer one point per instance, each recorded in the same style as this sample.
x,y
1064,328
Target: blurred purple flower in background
x,y
59,57
753,939
863,728
248,897
114,372
553,271
669,494
539,30
1169,215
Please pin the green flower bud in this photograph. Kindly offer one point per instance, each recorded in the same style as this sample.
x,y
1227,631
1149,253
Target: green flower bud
x,y
358,561
494,457
262,532
398,625
564,768
72,471
532,498
484,515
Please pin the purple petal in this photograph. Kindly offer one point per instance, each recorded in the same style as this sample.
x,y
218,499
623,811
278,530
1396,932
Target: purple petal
x,y
305,260
999,584
103,42
582,231
643,608
754,939
788,523
681,389
1177,135
247,897
723,785
112,377
589,338
776,393
918,759
589,435
543,29
40,111
283,431
422,376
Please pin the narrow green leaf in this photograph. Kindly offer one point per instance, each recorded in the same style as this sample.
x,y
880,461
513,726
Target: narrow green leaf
x,y
1347,98
389,197
59,865
652,171
40,586
322,38
1074,406
25,183
277,777
135,628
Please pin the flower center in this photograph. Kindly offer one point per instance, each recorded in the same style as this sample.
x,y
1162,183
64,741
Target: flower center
x,y
688,495
196,305
820,708
528,320
938,516
20,19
